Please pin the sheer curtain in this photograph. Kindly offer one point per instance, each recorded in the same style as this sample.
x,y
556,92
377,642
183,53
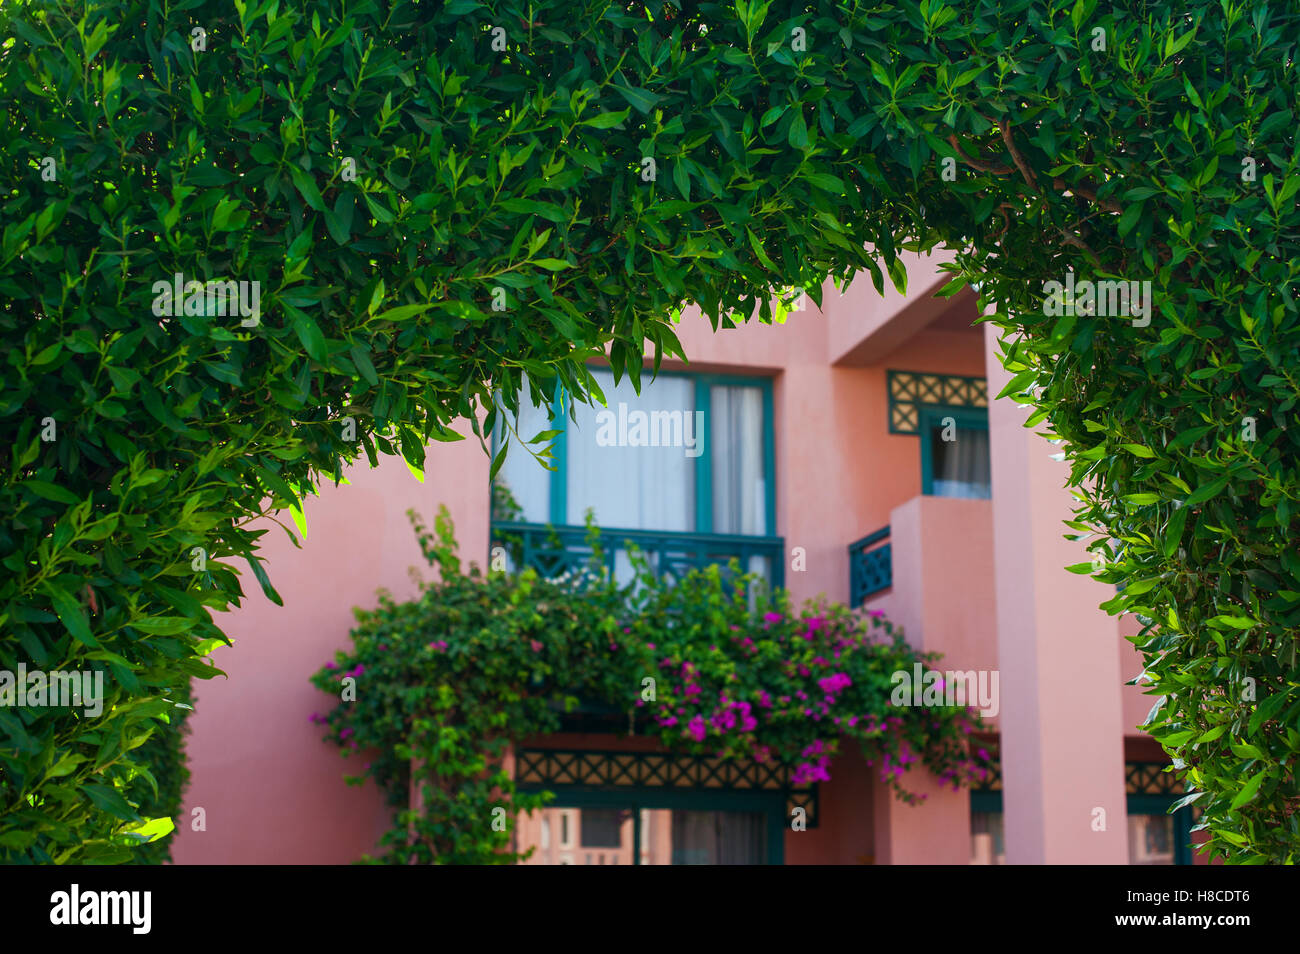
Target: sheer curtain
x,y
960,468
526,479
644,487
636,488
736,438
719,838
735,435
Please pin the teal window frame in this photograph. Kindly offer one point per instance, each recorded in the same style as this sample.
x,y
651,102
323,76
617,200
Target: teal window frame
x,y
558,490
929,415
1182,821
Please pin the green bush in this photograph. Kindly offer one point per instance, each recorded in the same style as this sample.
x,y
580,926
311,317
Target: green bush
x,y
509,653
392,174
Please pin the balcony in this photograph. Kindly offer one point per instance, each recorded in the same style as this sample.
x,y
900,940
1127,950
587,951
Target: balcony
x,y
553,551
871,567
931,572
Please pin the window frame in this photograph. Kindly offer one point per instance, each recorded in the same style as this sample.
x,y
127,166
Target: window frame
x,y
557,491
769,804
1141,804
928,415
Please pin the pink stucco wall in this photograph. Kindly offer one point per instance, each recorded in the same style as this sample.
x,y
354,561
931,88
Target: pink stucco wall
x,y
271,791
943,592
1062,716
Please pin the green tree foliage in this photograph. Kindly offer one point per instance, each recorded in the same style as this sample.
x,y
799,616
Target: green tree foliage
x,y
713,665
439,198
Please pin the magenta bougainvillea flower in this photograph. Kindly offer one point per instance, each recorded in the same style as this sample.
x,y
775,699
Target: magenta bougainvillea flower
x,y
696,729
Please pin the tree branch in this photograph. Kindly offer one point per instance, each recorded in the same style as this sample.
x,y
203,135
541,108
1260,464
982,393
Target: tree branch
x,y
1016,157
975,163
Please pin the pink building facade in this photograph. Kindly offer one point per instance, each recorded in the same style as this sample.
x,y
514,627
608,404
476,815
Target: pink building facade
x,y
853,451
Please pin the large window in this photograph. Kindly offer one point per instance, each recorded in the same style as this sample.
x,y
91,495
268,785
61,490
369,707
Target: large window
x,y
690,453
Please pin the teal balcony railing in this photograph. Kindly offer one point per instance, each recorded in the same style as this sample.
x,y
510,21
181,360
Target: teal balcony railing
x,y
871,567
553,551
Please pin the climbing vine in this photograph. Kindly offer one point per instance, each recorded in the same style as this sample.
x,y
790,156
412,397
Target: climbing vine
x,y
435,690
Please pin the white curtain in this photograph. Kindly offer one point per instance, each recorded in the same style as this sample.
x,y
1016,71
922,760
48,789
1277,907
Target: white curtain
x,y
633,487
960,468
735,436
629,483
527,479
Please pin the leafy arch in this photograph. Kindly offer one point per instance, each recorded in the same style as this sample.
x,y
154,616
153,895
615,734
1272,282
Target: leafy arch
x,y
390,172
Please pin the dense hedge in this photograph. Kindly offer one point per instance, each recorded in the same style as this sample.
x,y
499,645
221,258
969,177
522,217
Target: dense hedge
x,y
438,689
393,173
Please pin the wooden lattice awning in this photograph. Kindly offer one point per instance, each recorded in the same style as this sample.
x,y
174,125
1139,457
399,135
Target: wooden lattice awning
x,y
592,770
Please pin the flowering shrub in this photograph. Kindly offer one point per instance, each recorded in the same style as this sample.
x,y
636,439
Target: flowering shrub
x,y
444,684
770,683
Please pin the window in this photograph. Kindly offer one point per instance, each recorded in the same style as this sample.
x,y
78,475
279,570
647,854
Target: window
x,y
718,838
1150,840
602,828
988,841
1155,837
955,452
689,454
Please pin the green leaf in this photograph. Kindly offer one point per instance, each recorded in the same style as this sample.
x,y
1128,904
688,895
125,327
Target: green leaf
x,y
51,491
339,220
267,589
110,800
1236,622
1174,531
309,334
306,185
361,358
498,460
1249,790
71,615
403,312
1142,499
758,250
797,134
641,99
606,120
1207,491
221,214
